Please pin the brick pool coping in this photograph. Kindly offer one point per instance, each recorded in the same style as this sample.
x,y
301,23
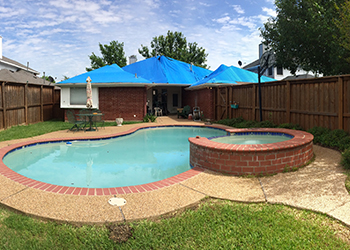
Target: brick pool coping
x,y
14,176
252,159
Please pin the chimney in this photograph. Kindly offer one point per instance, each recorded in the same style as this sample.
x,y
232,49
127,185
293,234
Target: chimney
x,y
262,49
0,47
132,59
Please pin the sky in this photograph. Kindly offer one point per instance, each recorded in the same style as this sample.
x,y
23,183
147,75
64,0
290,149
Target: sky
x,y
58,36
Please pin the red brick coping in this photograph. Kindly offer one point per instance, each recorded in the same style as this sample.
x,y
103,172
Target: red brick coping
x,y
252,159
14,176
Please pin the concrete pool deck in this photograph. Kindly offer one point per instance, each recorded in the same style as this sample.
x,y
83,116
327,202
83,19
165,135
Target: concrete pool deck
x,y
319,187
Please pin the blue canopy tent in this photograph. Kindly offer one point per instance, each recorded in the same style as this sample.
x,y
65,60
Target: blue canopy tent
x,y
165,70
110,74
229,75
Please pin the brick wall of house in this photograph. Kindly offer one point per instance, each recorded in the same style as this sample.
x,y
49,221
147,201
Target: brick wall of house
x,y
205,101
124,102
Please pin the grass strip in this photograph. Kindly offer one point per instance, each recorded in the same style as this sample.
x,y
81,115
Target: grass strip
x,y
214,224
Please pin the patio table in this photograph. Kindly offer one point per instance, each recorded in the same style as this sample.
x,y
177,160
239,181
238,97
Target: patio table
x,y
90,116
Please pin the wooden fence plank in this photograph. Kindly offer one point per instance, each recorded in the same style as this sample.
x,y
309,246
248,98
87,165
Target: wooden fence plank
x,y
308,102
340,103
4,105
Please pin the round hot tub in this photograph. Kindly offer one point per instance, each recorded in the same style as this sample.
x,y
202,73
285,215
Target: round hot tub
x,y
252,151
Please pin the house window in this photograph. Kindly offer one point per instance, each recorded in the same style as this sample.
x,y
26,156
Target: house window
x,y
279,71
77,96
270,71
175,100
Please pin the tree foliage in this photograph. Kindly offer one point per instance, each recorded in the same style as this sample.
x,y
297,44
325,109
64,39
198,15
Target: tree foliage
x,y
49,79
343,24
175,45
304,35
112,53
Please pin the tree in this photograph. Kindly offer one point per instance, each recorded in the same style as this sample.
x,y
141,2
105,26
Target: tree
x,y
112,53
49,79
175,45
343,24
303,35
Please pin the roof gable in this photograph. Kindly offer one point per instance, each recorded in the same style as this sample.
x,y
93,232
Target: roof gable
x,y
13,63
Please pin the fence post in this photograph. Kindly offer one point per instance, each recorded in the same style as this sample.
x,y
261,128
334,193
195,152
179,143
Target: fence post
x,y
41,103
254,102
227,104
288,103
4,105
26,103
340,103
215,90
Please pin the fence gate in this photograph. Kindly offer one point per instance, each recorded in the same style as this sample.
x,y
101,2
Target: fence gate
x,y
221,109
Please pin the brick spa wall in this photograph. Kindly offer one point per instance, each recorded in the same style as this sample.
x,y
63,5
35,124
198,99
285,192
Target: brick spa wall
x,y
252,159
124,102
205,101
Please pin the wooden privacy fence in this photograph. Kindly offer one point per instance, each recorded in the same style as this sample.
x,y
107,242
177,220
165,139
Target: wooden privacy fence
x,y
28,103
321,102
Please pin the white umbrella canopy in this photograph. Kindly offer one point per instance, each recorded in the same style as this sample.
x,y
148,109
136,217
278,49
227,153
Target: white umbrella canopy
x,y
88,93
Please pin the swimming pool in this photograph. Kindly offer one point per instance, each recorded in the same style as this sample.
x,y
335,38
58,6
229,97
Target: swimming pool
x,y
148,155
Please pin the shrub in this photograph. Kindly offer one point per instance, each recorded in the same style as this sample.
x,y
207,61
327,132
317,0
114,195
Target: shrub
x,y
290,126
344,143
333,138
149,117
267,124
231,122
318,133
345,158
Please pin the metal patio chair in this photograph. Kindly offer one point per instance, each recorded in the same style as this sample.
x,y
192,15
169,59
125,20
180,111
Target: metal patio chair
x,y
77,124
184,113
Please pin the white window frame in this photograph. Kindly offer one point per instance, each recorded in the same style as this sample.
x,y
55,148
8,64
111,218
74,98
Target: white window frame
x,y
65,98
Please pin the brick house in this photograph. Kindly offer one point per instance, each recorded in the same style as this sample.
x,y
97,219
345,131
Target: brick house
x,y
170,84
115,92
126,93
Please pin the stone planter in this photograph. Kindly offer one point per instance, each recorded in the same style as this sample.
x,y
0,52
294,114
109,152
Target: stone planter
x,y
119,121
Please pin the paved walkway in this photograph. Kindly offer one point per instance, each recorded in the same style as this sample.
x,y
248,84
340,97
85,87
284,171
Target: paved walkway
x,y
318,187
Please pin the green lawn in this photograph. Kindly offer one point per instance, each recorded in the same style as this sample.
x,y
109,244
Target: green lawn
x,y
18,132
214,224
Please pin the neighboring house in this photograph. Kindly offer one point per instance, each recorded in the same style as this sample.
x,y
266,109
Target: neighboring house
x,y
9,64
277,73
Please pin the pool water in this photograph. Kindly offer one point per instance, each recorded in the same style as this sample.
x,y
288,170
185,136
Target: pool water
x,y
253,139
148,155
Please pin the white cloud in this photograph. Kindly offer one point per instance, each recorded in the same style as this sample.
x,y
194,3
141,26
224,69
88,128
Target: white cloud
x,y
269,11
238,9
225,19
9,12
57,36
204,4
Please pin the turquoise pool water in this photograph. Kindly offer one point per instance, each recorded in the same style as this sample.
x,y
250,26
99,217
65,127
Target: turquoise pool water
x,y
145,156
253,138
